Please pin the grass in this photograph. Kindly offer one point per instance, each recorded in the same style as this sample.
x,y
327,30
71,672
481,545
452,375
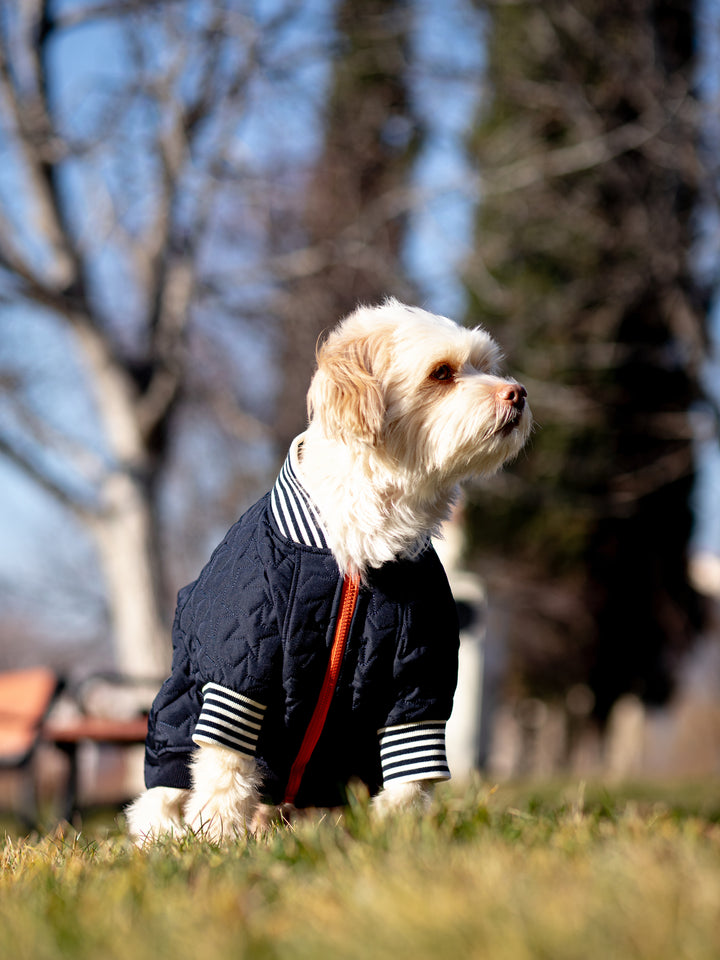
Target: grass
x,y
535,872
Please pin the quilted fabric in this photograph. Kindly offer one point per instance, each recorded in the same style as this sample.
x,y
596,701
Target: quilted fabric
x,y
254,631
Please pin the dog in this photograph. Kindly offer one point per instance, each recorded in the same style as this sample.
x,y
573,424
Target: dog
x,y
319,644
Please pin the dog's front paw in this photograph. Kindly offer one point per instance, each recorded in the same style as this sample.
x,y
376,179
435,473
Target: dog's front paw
x,y
225,794
268,817
156,813
401,797
211,819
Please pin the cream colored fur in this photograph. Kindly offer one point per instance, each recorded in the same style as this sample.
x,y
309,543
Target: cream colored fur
x,y
402,407
398,797
157,813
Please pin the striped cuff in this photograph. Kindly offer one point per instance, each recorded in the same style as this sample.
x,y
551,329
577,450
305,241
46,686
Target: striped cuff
x,y
413,751
229,719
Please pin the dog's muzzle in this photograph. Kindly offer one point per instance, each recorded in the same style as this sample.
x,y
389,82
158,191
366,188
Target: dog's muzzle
x,y
511,398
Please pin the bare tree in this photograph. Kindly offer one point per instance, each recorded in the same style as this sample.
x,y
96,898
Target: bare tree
x,y
112,207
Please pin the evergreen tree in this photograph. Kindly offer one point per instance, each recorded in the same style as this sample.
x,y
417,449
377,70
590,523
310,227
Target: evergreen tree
x,y
588,154
352,222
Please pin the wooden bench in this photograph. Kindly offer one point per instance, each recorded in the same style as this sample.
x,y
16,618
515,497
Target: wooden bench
x,y
70,736
26,699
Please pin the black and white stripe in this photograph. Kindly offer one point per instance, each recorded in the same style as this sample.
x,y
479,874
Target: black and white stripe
x,y
296,515
413,751
229,719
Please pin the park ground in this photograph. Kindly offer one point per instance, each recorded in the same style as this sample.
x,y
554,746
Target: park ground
x,y
558,871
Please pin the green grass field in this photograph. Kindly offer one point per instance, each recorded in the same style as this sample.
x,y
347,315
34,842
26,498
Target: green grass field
x,y
538,872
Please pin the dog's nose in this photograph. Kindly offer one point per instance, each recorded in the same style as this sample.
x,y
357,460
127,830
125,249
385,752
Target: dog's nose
x,y
514,394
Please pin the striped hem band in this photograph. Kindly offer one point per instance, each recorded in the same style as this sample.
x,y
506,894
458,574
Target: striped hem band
x,y
297,517
229,719
413,751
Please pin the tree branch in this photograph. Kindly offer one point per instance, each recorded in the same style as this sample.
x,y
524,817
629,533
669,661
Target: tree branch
x,y
44,480
39,148
171,249
79,16
567,160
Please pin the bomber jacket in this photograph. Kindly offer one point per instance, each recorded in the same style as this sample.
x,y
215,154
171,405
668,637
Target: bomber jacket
x,y
251,641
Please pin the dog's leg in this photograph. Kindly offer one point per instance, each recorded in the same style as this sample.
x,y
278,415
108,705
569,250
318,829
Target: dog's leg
x,y
155,813
225,794
399,797
268,817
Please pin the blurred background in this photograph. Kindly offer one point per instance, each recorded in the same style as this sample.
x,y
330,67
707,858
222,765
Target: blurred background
x,y
191,191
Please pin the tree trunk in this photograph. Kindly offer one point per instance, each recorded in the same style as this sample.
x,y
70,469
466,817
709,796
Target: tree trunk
x,y
124,528
350,218
123,536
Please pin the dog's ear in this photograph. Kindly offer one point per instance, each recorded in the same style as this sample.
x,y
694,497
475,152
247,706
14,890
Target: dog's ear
x,y
345,395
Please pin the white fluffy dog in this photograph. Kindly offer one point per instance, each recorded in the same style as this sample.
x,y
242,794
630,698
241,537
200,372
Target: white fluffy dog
x,y
403,406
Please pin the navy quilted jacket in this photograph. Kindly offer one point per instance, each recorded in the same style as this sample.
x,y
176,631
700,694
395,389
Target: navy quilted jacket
x,y
251,641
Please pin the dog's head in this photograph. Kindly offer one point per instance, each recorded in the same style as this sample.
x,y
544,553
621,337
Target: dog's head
x,y
419,389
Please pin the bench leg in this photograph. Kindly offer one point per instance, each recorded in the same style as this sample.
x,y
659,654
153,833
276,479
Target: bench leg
x,y
28,812
69,800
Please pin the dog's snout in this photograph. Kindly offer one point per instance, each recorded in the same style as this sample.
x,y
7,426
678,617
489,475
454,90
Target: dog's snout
x,y
513,394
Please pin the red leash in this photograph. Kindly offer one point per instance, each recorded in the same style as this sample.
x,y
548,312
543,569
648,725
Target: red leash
x,y
348,602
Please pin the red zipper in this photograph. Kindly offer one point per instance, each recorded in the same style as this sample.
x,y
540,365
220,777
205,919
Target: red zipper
x,y
348,602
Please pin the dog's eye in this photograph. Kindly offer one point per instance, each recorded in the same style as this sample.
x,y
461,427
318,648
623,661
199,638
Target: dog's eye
x,y
443,373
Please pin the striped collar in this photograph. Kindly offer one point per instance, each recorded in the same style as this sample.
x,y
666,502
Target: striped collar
x,y
295,513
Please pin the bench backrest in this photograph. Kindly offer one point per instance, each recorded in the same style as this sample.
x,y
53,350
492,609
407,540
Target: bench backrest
x,y
25,698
